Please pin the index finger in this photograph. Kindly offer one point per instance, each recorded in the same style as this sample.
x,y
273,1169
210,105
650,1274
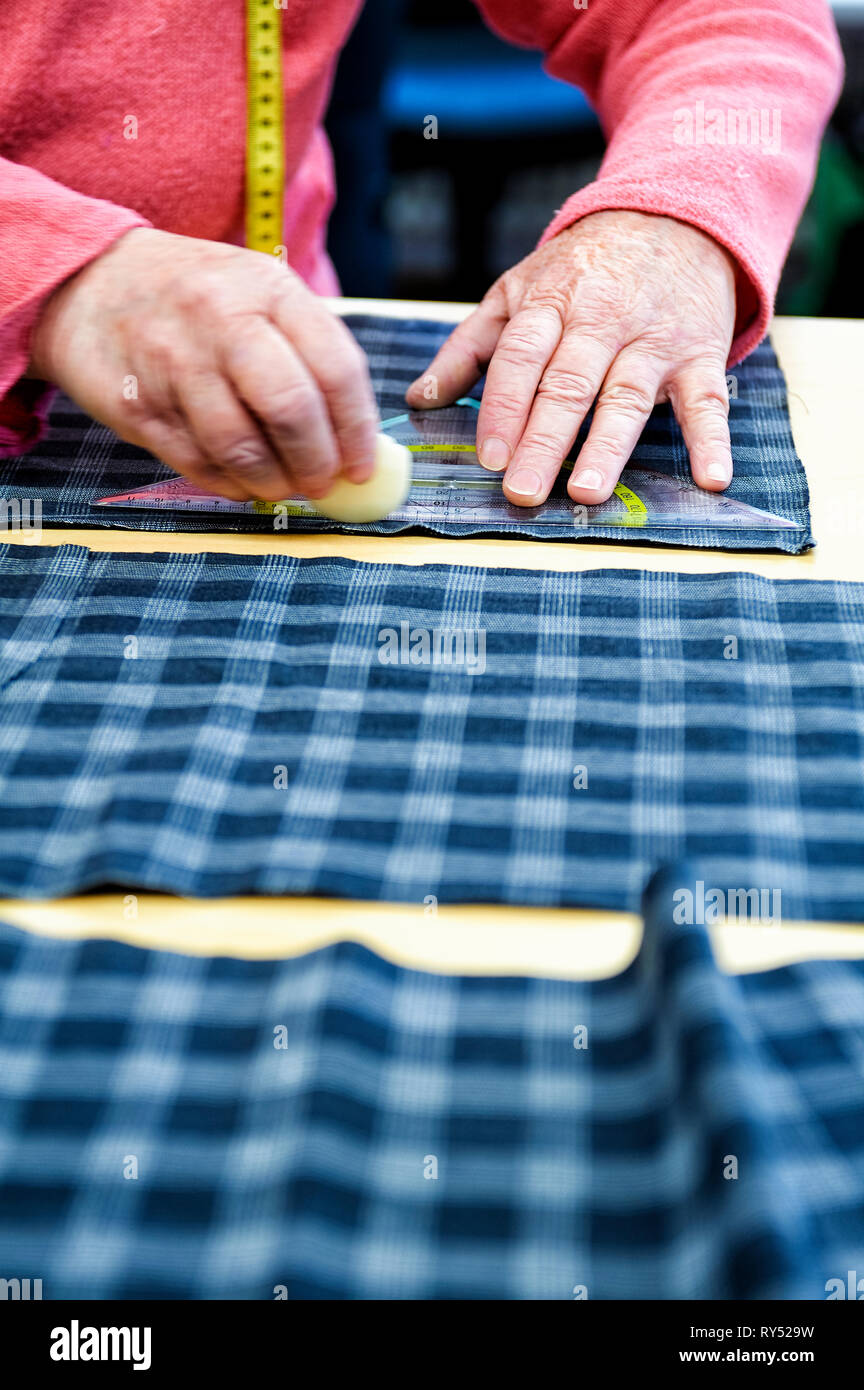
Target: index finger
x,y
457,365
519,361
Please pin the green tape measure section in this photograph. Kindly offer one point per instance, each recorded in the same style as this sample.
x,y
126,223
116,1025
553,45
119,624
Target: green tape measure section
x,y
442,448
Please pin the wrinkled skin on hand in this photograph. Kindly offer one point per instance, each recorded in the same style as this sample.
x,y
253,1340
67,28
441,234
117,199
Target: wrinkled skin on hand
x,y
623,309
241,378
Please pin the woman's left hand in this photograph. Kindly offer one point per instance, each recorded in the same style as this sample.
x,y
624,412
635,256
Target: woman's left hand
x,y
623,308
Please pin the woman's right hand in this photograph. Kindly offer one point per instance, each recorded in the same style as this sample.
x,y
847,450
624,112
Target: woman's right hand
x,y
217,359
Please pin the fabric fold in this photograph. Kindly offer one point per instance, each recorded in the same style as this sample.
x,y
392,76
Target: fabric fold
x,y
335,1126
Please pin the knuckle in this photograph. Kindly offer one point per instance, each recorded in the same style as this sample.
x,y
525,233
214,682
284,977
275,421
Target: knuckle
x,y
155,428
292,409
550,300
518,350
139,413
708,402
709,435
205,289
706,421
568,387
714,402
628,398
540,442
245,458
502,408
287,290
606,449
527,336
168,358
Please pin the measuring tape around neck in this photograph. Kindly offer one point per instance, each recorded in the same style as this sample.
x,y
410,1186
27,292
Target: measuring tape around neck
x,y
265,142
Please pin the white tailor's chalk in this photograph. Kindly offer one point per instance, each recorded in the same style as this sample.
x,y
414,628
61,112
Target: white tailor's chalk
x,y
386,490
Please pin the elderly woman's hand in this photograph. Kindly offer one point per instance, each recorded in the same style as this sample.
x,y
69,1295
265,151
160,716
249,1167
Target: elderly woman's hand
x,y
624,308
217,359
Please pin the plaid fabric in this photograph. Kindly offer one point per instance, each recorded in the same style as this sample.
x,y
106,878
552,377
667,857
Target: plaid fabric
x,y
209,724
81,461
335,1126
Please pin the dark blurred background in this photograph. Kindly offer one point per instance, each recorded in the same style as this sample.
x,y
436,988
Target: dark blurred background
x,y
425,218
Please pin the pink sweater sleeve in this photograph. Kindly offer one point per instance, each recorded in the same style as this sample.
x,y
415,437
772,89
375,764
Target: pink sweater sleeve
x,y
675,84
47,232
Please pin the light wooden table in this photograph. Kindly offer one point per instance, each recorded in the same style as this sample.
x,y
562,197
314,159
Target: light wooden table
x,y
822,361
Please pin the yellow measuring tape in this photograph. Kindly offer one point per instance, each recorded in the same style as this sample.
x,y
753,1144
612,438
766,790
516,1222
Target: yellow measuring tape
x,y
265,141
442,448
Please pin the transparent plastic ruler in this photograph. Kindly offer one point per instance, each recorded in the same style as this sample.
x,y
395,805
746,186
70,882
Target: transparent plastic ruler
x,y
450,486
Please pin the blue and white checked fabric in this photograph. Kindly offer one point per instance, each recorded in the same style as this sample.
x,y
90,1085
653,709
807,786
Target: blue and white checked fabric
x,y
81,460
335,1126
223,724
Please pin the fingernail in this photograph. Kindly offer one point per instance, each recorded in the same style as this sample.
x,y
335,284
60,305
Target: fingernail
x,y
719,472
525,483
494,454
588,477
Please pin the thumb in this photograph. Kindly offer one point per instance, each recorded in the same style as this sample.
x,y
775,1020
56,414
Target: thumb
x,y
463,358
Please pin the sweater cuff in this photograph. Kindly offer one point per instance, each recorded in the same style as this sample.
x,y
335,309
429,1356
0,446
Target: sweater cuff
x,y
753,284
24,401
24,416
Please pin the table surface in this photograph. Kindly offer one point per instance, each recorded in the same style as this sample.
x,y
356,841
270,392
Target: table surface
x,y
821,359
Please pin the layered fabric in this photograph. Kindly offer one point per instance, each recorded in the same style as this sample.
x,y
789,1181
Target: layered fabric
x,y
82,461
223,724
335,1126
713,117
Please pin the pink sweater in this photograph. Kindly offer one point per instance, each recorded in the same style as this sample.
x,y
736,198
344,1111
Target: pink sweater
x,y
667,78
